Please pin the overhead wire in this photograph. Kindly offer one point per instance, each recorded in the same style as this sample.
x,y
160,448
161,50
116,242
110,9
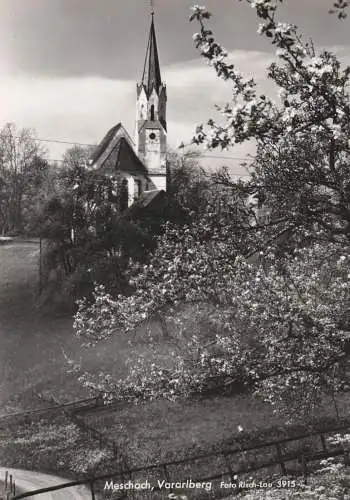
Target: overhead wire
x,y
75,143
85,144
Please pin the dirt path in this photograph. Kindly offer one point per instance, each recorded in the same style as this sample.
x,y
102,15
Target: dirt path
x,y
28,481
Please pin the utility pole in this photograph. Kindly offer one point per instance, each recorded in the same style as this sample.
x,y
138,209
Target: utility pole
x,y
40,265
92,489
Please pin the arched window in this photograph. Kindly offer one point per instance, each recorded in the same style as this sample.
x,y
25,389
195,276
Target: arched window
x,y
142,112
152,113
138,189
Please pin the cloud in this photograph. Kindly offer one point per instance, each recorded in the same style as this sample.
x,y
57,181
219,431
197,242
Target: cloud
x,y
196,84
72,109
83,109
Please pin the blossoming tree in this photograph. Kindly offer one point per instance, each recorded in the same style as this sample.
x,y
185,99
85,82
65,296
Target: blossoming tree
x,y
233,308
303,142
280,324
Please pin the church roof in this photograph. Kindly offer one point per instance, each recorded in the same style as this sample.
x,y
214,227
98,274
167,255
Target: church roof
x,y
148,197
151,71
116,151
149,201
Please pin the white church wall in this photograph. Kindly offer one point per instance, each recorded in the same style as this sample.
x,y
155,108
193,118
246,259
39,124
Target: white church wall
x,y
159,181
131,190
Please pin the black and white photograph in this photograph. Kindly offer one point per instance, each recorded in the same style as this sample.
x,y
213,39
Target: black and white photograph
x,y
174,250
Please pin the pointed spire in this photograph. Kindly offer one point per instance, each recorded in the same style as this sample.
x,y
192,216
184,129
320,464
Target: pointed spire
x,y
151,70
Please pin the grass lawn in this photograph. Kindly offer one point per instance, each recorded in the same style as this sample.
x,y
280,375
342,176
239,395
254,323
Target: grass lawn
x,y
32,343
31,354
163,430
53,445
331,484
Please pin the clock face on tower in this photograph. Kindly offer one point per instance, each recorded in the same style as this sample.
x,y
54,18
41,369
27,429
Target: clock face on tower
x,y
152,139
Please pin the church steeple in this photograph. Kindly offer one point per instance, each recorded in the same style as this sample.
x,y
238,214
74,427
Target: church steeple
x,y
151,128
151,71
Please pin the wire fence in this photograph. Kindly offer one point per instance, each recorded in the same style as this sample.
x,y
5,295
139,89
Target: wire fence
x,y
289,456
91,433
8,491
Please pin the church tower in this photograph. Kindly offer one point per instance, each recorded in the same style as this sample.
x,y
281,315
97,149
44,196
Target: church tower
x,y
151,129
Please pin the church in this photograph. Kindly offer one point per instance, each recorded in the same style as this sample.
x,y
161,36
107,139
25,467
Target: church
x,y
140,163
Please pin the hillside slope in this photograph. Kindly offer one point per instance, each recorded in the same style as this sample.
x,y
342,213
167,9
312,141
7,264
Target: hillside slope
x,y
31,342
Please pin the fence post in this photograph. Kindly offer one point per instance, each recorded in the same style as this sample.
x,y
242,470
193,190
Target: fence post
x,y
304,467
126,465
229,468
166,475
280,459
6,478
92,489
323,442
115,449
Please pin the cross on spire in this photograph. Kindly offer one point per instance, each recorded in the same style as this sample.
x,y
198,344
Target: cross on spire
x,y
152,7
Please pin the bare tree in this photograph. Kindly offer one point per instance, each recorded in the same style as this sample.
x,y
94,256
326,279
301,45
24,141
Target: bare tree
x,y
21,164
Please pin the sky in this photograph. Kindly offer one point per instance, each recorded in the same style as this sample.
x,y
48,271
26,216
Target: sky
x,y
68,68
